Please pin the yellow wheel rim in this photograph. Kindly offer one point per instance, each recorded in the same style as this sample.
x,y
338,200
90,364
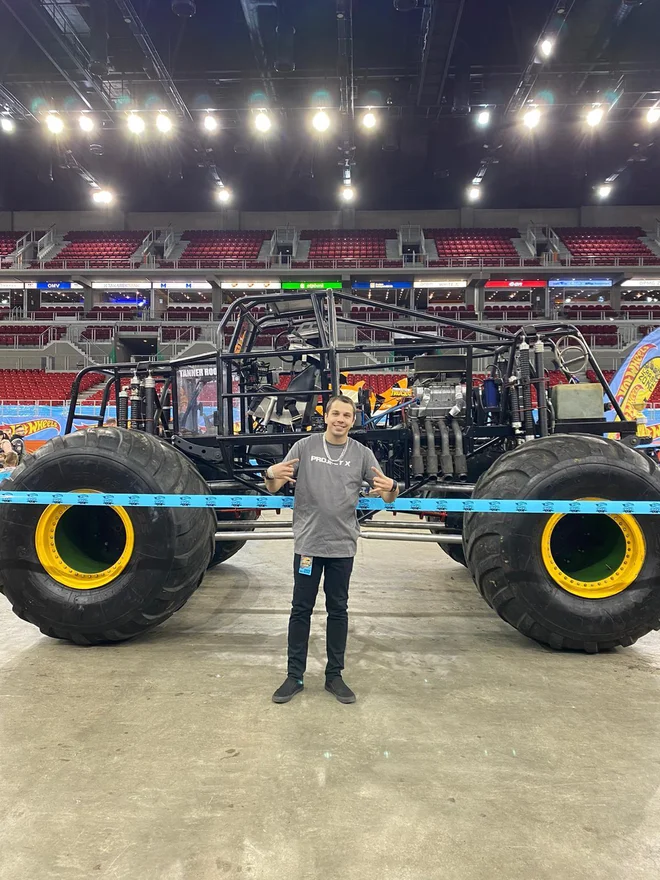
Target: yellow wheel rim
x,y
84,547
593,556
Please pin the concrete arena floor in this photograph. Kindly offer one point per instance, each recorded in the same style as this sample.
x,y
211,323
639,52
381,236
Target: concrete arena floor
x,y
471,753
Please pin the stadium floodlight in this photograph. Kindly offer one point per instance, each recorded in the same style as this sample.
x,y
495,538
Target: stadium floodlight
x,y
532,117
8,125
262,122
347,193
210,123
483,118
224,195
86,122
546,47
604,190
473,193
136,123
595,116
653,115
321,121
163,123
102,197
54,124
369,119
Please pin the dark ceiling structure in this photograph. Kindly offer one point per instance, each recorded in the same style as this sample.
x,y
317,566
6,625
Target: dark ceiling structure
x,y
430,71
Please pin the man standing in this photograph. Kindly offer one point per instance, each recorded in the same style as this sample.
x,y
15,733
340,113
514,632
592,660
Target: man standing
x,y
329,470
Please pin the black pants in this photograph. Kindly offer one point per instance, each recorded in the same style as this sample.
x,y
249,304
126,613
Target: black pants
x,y
335,584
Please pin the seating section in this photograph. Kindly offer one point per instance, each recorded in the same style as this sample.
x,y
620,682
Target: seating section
x,y
189,313
173,333
208,247
97,250
598,244
639,311
342,247
7,246
500,311
37,386
596,311
49,313
12,335
113,313
493,247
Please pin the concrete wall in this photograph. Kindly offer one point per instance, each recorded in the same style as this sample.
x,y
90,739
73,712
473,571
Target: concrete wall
x,y
466,218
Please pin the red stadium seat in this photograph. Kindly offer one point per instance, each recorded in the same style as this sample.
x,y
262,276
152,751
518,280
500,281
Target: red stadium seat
x,y
601,245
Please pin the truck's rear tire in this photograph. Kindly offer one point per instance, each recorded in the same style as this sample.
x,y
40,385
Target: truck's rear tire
x,y
577,582
455,552
224,550
102,574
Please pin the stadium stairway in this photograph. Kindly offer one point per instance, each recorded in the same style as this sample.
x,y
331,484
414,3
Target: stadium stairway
x,y
302,249
652,245
431,249
521,246
392,249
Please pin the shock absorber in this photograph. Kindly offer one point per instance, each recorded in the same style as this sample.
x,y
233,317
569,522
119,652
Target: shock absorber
x,y
541,391
149,403
514,404
122,409
167,411
136,408
525,381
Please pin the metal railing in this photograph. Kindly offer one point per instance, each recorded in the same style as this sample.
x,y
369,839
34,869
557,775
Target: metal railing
x,y
531,237
96,263
169,243
407,261
45,243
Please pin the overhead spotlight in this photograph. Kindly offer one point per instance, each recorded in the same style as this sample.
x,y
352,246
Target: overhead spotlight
x,y
473,193
653,115
163,123
8,125
262,121
595,116
546,47
136,123
369,119
483,118
321,121
102,197
604,190
210,123
54,123
532,117
224,195
86,122
347,193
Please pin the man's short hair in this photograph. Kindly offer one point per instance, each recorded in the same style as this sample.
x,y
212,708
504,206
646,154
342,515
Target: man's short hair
x,y
342,399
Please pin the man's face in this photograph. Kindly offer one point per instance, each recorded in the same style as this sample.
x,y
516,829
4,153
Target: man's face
x,y
339,419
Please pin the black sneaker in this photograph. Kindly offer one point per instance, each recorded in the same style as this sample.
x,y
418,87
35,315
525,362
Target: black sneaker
x,y
340,689
288,690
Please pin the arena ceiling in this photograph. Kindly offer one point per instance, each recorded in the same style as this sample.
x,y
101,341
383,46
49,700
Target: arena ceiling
x,y
426,69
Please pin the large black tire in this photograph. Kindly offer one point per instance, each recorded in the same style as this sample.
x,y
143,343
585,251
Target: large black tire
x,y
455,552
504,552
224,550
172,545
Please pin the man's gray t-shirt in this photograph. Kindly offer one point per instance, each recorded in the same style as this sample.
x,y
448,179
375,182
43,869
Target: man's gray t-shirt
x,y
324,516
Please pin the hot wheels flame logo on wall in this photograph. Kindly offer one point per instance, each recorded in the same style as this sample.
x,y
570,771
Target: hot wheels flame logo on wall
x,y
32,426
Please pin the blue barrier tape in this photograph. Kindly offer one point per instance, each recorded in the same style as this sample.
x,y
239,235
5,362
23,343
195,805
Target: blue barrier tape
x,y
278,502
